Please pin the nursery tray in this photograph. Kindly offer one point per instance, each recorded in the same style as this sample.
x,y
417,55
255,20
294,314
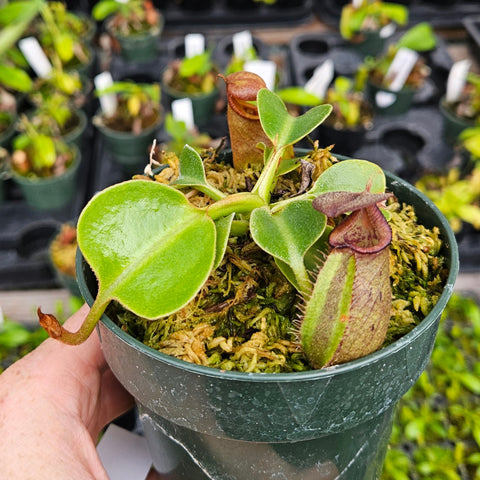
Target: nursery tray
x,y
472,26
439,13
230,13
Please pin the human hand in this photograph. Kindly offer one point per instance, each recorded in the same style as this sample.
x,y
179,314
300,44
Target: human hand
x,y
53,404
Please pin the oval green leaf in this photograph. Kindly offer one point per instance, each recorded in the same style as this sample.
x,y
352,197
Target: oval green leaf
x,y
150,249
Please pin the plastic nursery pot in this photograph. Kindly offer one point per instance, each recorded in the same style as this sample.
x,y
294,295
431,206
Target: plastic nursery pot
x,y
368,43
50,193
139,47
203,104
388,102
75,136
7,134
328,423
130,150
452,124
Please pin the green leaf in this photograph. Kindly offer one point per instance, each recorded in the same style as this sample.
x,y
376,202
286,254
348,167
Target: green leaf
x,y
350,176
15,78
104,8
150,249
288,234
198,64
470,381
281,127
420,38
44,154
192,173
395,12
64,44
223,226
18,11
298,96
13,335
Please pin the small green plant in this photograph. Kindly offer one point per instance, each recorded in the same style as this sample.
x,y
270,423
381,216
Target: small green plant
x,y
38,155
370,16
468,105
128,18
138,106
419,38
192,75
165,239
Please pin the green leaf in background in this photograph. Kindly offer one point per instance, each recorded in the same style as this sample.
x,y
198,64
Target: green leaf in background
x,y
288,234
420,38
13,334
64,44
15,78
44,153
350,176
276,121
105,8
150,249
298,96
395,12
196,65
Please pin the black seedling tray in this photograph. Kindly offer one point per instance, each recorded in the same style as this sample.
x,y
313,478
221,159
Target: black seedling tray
x,y
195,14
439,13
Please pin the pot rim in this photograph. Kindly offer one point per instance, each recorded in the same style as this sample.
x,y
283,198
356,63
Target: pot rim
x,y
326,372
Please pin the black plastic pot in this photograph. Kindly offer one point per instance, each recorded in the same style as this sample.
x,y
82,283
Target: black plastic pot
x,y
328,423
399,102
140,47
50,193
452,125
128,150
368,43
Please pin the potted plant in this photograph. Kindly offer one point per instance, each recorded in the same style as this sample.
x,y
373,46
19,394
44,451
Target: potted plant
x,y
65,36
366,24
247,254
351,117
62,252
55,116
195,78
462,112
377,75
44,167
135,24
129,129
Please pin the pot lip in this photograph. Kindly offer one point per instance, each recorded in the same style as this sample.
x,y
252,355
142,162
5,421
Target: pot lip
x,y
447,111
125,135
309,375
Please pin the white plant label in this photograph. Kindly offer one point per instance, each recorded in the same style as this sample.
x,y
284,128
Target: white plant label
x,y
265,69
456,80
122,1
194,44
242,41
385,99
321,79
400,68
108,102
35,56
357,3
387,31
182,110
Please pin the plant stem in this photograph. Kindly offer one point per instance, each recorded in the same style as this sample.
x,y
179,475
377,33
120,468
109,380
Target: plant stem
x,y
243,202
265,184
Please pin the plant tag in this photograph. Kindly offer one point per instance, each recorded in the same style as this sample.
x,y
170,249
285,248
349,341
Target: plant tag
x,y
265,69
388,30
456,80
194,44
385,99
400,68
35,56
357,3
122,1
321,79
242,41
108,102
182,110
124,455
